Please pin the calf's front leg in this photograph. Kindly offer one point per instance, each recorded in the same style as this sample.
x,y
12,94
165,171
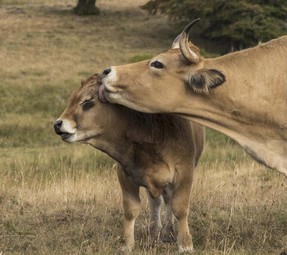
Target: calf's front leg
x,y
180,207
131,206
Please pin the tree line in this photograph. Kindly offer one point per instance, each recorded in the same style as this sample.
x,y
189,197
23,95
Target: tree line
x,y
239,23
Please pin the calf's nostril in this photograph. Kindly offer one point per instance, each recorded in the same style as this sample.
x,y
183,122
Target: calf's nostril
x,y
57,126
58,123
107,71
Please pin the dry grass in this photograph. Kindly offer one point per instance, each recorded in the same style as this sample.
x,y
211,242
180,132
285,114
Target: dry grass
x,y
59,199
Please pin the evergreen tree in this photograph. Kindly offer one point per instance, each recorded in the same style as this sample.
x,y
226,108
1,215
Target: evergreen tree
x,y
86,7
240,23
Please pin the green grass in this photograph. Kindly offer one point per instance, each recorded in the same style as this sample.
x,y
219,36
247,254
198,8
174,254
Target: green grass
x,y
58,198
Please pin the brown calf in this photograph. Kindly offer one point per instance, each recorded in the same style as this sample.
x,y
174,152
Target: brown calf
x,y
158,152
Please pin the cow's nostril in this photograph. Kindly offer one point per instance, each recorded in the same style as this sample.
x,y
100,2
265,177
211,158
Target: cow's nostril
x,y
107,71
57,126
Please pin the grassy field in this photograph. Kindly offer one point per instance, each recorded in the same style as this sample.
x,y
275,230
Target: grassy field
x,y
56,198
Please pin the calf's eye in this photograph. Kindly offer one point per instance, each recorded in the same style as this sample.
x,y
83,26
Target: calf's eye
x,y
157,64
88,104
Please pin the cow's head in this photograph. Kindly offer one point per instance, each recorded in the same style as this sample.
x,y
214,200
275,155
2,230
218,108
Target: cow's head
x,y
158,84
86,117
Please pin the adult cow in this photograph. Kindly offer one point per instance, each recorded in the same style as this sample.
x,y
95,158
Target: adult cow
x,y
241,94
156,151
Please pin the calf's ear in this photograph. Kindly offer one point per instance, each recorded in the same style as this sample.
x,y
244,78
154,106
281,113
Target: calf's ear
x,y
205,79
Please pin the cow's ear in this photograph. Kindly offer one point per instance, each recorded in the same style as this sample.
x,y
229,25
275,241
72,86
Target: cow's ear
x,y
205,79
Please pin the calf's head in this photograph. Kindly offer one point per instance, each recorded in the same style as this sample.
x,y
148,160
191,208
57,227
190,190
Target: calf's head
x,y
158,84
85,117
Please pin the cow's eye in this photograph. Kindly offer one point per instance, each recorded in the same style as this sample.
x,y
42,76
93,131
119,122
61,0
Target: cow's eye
x,y
157,64
87,104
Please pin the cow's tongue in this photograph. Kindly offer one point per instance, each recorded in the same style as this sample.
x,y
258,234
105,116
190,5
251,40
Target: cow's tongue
x,y
102,96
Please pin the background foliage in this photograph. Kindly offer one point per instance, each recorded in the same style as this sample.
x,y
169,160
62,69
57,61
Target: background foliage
x,y
239,23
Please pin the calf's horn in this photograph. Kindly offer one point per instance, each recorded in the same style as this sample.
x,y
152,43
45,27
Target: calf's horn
x,y
188,53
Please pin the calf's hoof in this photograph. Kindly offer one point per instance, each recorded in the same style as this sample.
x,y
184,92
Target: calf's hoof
x,y
185,250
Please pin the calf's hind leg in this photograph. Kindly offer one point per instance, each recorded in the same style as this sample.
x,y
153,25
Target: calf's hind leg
x,y
155,218
167,232
131,206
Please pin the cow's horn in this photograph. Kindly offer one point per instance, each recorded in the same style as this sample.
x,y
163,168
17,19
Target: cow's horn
x,y
184,44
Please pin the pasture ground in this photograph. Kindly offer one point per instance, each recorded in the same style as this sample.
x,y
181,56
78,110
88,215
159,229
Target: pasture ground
x,y
62,199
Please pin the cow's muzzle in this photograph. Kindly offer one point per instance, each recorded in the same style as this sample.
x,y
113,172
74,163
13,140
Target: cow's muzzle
x,y
109,80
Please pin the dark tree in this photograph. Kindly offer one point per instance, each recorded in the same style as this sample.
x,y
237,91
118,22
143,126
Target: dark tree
x,y
241,23
86,7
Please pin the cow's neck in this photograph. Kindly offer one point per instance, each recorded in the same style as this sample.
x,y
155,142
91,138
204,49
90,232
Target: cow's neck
x,y
245,112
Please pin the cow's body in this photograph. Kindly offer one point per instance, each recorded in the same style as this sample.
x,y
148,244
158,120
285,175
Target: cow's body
x,y
251,106
158,152
241,94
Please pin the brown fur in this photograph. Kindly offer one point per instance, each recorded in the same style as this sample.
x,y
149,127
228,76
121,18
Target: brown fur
x,y
242,94
156,151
